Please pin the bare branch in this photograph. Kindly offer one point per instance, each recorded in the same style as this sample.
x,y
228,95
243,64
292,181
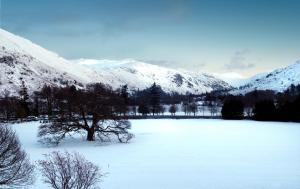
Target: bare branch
x,y
68,171
15,168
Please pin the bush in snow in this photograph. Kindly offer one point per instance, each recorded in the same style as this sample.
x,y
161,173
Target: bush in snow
x,y
265,110
69,171
15,168
233,108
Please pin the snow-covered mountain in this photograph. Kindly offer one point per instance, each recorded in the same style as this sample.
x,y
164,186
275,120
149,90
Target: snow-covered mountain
x,y
140,75
277,80
22,60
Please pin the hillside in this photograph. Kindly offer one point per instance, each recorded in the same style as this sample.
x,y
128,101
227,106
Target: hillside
x,y
277,80
22,60
139,75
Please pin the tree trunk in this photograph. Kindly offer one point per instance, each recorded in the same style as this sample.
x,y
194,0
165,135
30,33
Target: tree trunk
x,y
91,134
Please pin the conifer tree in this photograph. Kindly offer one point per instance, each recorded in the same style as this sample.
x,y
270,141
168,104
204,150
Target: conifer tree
x,y
24,98
154,98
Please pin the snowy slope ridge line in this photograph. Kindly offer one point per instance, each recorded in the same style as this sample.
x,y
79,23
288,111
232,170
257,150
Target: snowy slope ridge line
x,y
277,80
22,60
14,43
140,75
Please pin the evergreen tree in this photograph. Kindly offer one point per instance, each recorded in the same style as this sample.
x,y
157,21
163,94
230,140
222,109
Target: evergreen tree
x,y
47,94
122,106
154,98
24,97
264,110
125,94
233,108
36,104
143,109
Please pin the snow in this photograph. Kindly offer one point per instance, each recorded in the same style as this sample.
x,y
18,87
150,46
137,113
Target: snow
x,y
38,66
14,43
277,80
139,75
35,65
193,154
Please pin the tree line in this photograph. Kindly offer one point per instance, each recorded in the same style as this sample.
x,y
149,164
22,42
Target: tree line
x,y
264,105
155,101
150,101
51,101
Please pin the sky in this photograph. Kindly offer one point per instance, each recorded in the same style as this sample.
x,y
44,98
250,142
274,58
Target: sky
x,y
216,36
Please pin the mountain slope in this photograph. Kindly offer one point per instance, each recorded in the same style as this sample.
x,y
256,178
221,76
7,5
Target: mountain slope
x,y
277,80
21,59
140,75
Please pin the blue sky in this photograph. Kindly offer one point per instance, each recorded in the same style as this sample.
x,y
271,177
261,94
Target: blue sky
x,y
243,36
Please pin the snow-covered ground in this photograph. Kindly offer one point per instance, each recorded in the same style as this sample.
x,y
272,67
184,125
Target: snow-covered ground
x,y
190,154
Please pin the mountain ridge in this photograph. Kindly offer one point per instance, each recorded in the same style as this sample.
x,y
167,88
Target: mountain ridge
x,y
278,80
140,75
22,60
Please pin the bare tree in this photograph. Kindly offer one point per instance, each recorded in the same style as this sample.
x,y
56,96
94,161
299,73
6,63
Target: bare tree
x,y
16,171
185,108
213,108
91,112
69,171
173,109
161,109
193,107
134,109
202,108
105,130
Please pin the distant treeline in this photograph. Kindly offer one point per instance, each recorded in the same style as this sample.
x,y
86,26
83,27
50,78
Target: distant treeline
x,y
264,105
153,100
50,101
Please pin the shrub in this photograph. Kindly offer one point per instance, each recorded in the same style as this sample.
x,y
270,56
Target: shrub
x,y
233,109
68,171
264,110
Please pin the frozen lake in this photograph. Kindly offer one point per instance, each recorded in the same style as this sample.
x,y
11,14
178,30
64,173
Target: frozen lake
x,y
190,154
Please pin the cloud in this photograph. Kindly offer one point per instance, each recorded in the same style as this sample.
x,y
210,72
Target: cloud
x,y
239,61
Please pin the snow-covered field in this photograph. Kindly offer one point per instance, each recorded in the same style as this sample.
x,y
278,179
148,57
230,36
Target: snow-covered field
x,y
190,154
